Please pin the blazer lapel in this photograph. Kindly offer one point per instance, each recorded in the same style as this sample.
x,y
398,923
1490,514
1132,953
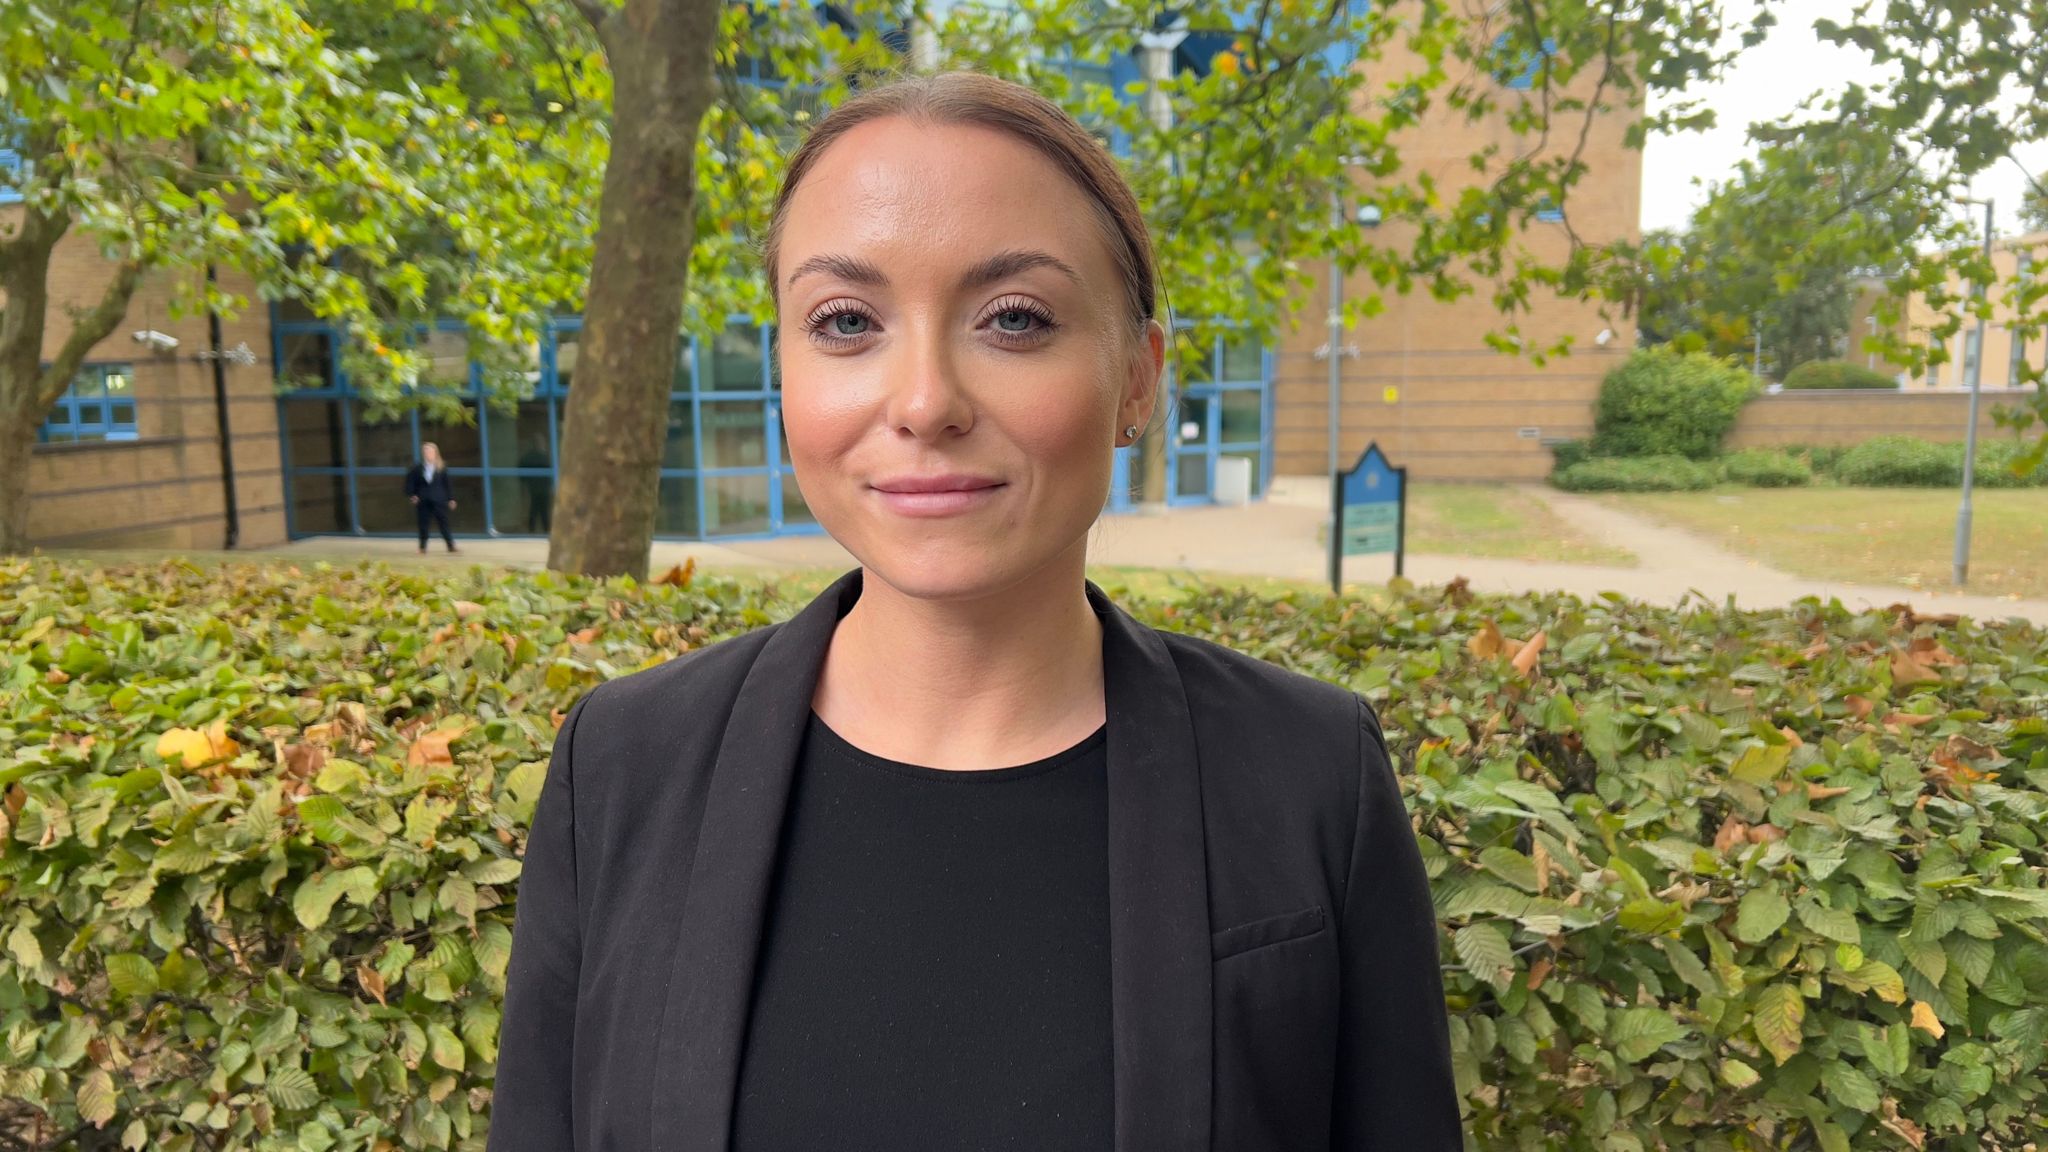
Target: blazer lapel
x,y
1158,889
1158,893
711,982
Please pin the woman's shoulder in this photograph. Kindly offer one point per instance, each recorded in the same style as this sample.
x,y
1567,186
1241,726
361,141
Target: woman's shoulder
x,y
684,686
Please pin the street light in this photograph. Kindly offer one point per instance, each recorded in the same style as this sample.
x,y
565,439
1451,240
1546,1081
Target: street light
x,y
1976,373
1334,350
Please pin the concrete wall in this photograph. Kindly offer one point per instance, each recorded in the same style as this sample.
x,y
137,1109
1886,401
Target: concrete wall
x,y
164,488
1457,409
1851,416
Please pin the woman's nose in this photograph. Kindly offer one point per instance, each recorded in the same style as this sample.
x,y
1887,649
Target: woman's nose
x,y
927,398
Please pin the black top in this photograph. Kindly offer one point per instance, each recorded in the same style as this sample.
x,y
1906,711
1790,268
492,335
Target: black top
x,y
934,974
434,491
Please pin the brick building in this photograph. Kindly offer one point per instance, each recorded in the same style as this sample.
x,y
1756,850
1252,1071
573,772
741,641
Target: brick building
x,y
135,455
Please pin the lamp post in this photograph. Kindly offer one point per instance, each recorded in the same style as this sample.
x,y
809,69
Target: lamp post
x,y
1333,350
1976,372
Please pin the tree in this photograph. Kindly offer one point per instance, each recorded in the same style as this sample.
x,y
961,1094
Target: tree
x,y
377,185
1773,259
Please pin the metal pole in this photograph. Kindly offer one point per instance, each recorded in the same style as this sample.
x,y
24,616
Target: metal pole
x,y
2016,357
1336,329
1962,558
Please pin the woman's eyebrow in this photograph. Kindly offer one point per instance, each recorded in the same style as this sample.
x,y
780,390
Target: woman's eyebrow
x,y
848,268
1007,264
1000,266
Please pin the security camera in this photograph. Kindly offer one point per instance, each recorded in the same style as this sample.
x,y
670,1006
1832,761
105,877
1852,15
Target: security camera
x,y
1367,216
158,341
1606,334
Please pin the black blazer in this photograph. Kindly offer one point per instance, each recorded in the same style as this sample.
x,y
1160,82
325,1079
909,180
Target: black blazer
x,y
1273,948
435,491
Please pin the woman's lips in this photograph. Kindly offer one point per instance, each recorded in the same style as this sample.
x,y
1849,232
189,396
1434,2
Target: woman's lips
x,y
936,495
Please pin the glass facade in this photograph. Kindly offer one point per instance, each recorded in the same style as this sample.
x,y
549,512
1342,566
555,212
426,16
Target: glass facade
x,y
1222,408
725,470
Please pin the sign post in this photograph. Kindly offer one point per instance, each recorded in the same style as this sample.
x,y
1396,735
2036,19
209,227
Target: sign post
x,y
1368,513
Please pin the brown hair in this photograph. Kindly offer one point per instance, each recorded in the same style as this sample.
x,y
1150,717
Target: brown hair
x,y
969,98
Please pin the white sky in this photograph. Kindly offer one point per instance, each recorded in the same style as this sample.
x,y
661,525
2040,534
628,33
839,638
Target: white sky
x,y
1769,81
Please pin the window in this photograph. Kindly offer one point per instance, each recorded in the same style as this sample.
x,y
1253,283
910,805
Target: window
x,y
12,172
1547,210
1518,70
99,405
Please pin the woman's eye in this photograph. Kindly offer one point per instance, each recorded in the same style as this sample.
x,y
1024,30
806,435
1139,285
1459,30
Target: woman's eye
x,y
1014,320
849,324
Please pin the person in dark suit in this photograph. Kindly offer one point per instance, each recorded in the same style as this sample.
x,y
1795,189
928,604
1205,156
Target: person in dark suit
x,y
426,485
963,856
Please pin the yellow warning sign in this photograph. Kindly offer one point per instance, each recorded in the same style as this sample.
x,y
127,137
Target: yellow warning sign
x,y
1392,394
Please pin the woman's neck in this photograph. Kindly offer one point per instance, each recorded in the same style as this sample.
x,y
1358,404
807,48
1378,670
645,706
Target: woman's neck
x,y
967,684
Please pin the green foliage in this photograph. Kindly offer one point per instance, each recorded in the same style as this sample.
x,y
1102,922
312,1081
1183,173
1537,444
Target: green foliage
x,y
1660,402
1565,453
1901,462
1837,374
1775,257
1707,879
1731,858
1823,457
1766,468
285,924
1636,474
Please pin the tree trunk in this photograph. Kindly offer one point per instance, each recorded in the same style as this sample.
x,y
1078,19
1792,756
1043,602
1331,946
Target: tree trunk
x,y
28,387
25,279
661,54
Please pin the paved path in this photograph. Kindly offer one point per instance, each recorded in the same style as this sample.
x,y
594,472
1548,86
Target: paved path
x,y
1279,537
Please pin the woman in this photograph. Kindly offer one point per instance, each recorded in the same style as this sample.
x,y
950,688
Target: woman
x,y
962,856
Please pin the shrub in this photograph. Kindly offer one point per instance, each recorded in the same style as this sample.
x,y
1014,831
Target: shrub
x,y
1837,374
1766,468
1566,453
1707,880
1901,462
1665,403
1999,464
1822,457
1637,474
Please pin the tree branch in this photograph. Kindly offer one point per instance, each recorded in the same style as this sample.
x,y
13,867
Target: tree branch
x,y
89,328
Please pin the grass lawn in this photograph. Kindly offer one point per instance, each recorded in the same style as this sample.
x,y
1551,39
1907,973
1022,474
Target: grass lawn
x,y
1501,521
1877,535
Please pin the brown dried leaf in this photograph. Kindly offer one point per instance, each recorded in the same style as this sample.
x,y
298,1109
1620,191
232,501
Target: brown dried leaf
x,y
1928,650
57,676
1907,720
1487,642
1525,660
1765,834
372,982
1906,670
1818,792
1538,971
584,636
1860,707
304,761
680,574
1733,833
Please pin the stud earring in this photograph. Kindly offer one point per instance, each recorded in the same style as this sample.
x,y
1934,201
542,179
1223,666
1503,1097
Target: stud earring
x,y
1130,431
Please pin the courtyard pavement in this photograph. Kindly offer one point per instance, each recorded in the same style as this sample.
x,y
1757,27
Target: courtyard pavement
x,y
1280,537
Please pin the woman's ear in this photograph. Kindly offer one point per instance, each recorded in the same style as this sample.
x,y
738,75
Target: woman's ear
x,y
1148,364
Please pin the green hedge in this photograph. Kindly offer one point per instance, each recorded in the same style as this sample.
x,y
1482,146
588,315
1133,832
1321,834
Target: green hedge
x,y
1708,881
1837,374
1766,468
1637,474
1566,453
1665,403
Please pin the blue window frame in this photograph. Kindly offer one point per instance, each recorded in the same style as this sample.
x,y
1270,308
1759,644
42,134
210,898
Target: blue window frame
x,y
12,168
99,405
1519,70
1548,211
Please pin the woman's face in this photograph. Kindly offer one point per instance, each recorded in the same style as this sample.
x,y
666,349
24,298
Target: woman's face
x,y
958,355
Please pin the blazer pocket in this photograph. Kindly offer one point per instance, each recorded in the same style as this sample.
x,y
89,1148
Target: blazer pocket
x,y
1264,933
